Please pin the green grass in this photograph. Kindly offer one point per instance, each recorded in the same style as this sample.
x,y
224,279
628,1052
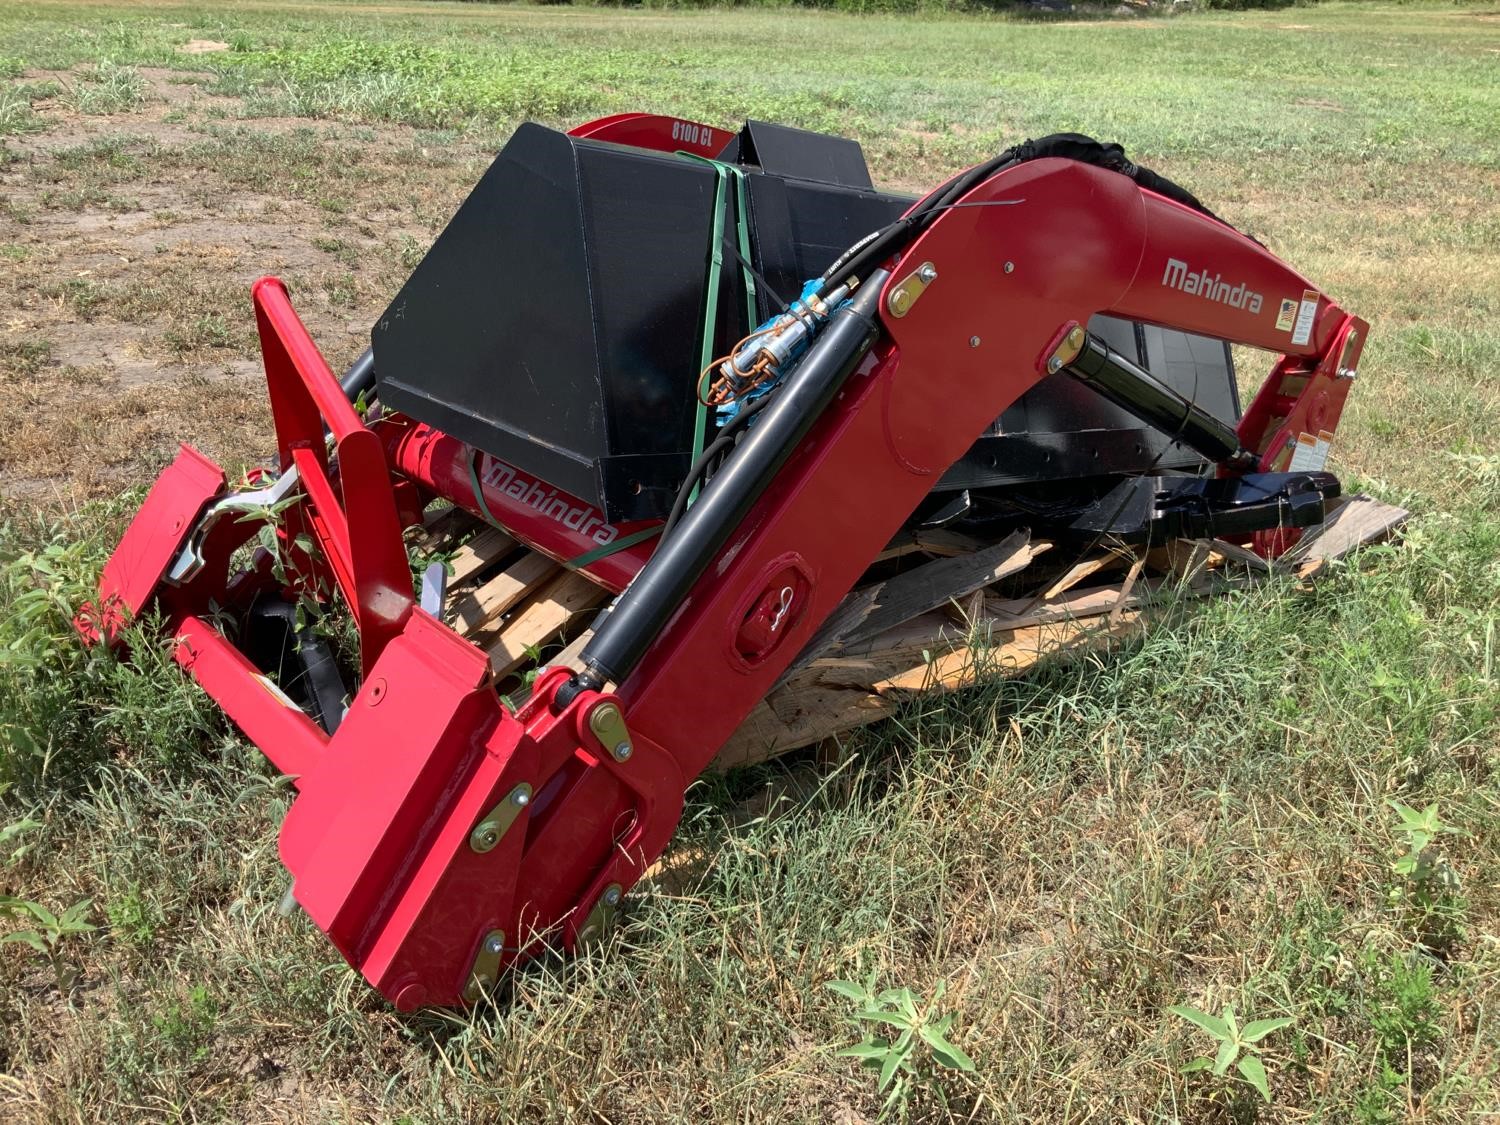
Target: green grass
x,y
1202,818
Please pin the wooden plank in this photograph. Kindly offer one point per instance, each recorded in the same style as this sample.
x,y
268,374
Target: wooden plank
x,y
436,526
1187,558
473,612
854,674
571,656
1356,522
818,715
946,543
1127,588
546,612
1080,570
967,666
479,552
1235,553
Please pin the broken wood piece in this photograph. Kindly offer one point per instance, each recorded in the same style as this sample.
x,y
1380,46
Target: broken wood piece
x,y
479,552
1233,552
1127,588
1081,570
1352,521
972,664
474,611
544,614
822,714
871,611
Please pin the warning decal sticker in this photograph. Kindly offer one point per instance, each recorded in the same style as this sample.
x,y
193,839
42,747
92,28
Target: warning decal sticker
x,y
1310,453
1305,316
1287,315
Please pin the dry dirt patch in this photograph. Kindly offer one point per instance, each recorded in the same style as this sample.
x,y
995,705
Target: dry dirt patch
x,y
129,243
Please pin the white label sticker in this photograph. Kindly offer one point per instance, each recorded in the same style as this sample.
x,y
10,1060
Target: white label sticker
x,y
1305,315
1310,453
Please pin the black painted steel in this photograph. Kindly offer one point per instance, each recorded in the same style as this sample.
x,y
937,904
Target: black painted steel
x,y
1135,389
360,377
557,322
1148,511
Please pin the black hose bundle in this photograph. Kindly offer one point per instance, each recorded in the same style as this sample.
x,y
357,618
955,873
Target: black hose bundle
x,y
879,245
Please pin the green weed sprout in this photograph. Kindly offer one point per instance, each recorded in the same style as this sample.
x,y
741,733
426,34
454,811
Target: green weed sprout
x,y
49,933
1237,1046
904,1054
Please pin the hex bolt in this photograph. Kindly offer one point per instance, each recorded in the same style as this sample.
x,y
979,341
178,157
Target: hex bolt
x,y
623,752
928,272
495,945
489,837
520,798
612,897
1054,365
973,341
1010,267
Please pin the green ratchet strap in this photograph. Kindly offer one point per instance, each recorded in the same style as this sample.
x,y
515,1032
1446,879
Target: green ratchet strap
x,y
479,492
724,172
588,558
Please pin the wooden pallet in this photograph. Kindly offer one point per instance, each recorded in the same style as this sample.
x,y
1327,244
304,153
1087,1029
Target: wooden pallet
x,y
936,612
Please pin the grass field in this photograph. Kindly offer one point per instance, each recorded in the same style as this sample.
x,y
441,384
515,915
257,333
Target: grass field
x,y
1204,818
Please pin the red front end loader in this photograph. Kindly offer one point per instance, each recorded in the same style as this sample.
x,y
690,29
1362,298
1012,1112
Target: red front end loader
x,y
708,378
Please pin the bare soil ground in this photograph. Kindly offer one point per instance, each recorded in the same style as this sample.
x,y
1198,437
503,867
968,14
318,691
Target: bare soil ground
x,y
131,240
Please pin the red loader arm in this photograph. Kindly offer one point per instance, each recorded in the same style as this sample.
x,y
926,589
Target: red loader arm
x,y
437,836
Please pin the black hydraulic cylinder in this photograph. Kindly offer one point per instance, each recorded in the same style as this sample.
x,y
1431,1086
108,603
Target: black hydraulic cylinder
x,y
628,629
1135,389
360,377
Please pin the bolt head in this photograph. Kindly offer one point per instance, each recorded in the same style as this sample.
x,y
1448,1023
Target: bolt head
x,y
1054,365
1010,267
623,751
489,837
612,896
927,273
494,945
973,341
520,798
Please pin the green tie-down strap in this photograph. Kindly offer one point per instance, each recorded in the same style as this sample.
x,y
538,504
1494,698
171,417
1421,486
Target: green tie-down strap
x,y
589,558
725,173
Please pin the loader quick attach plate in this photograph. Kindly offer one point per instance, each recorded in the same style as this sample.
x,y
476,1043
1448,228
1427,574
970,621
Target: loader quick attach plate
x,y
557,322
155,537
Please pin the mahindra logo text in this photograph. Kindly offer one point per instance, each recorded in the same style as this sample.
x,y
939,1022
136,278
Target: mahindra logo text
x,y
534,494
1201,283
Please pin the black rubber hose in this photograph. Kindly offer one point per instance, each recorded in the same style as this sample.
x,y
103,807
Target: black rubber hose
x,y
626,631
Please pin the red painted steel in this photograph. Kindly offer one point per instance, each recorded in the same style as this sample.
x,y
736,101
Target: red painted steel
x,y
154,538
656,131
284,733
358,530
379,837
544,518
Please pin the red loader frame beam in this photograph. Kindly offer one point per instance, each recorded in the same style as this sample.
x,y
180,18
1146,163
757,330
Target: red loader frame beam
x,y
437,836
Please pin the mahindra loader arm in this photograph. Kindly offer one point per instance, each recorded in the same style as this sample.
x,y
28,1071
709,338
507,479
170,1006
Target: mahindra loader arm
x,y
437,836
